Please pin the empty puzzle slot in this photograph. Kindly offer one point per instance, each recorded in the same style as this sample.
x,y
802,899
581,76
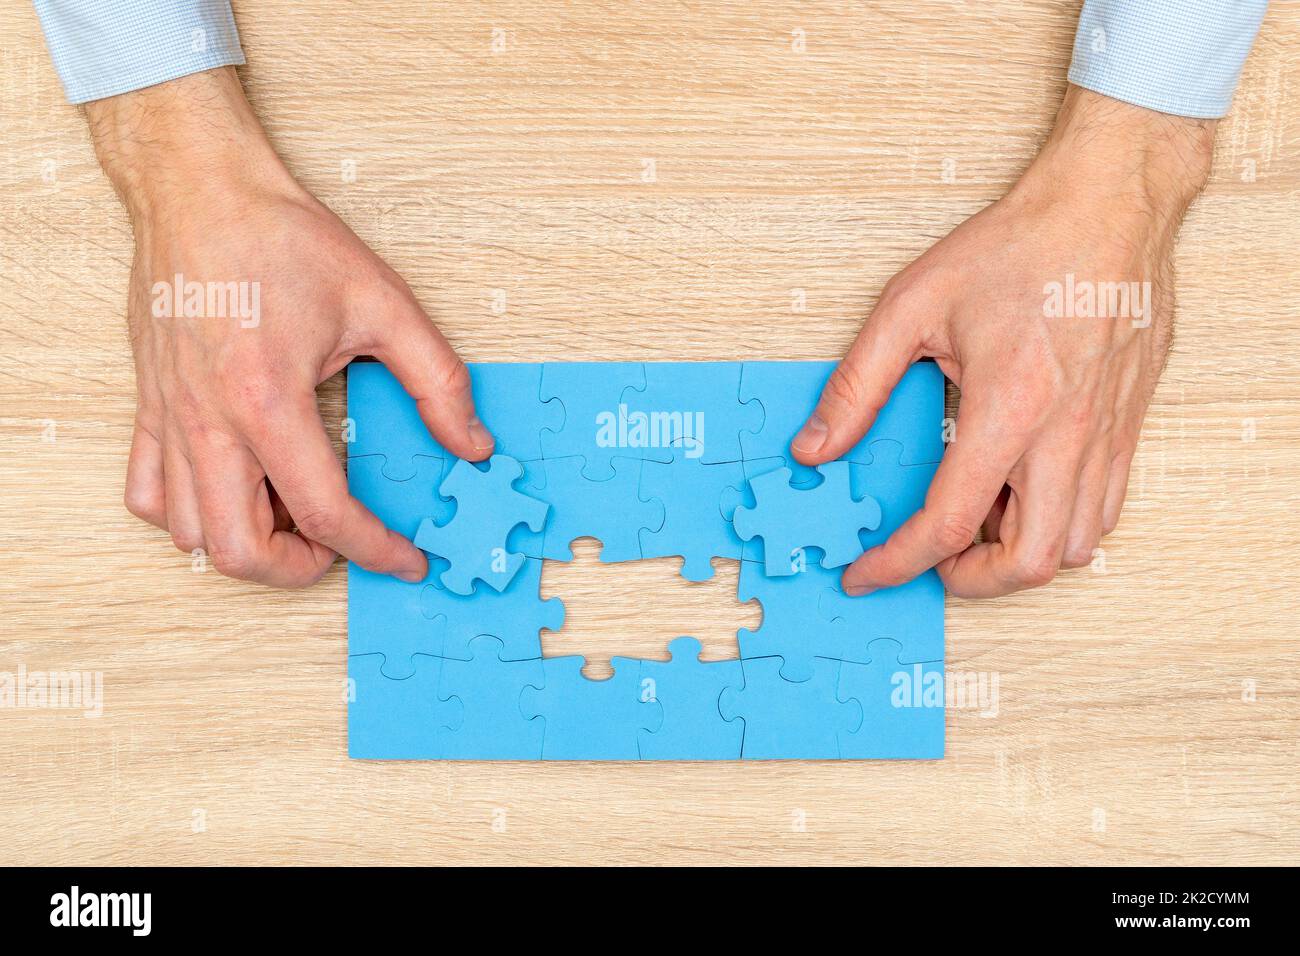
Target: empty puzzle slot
x,y
635,608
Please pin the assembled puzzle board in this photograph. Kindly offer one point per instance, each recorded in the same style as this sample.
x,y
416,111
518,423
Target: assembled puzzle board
x,y
654,459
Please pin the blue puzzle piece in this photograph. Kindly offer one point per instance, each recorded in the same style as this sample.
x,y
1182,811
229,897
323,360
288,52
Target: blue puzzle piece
x,y
397,719
506,397
910,613
785,720
790,519
587,719
792,628
400,505
474,540
900,489
386,618
387,422
488,689
688,689
595,426
902,707
789,391
515,615
694,406
610,510
694,496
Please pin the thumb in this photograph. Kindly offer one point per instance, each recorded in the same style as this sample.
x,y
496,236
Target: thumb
x,y
434,375
859,387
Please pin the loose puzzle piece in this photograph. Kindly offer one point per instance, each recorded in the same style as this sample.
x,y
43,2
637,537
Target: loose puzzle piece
x,y
514,615
385,421
692,406
474,540
588,719
397,719
784,719
400,505
488,688
693,497
790,519
610,510
506,398
386,618
902,706
595,426
689,689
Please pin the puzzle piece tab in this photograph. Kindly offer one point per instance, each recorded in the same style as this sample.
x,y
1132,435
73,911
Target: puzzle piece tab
x,y
791,519
689,689
587,719
474,540
507,400
488,690
786,720
400,505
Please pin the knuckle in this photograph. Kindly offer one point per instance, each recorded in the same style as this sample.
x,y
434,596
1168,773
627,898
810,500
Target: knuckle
x,y
1035,569
453,378
843,387
320,522
954,532
234,561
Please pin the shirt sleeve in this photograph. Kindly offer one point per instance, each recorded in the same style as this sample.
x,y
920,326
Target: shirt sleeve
x,y
105,47
1175,56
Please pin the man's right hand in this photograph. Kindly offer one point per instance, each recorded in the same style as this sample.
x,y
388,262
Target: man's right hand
x,y
229,452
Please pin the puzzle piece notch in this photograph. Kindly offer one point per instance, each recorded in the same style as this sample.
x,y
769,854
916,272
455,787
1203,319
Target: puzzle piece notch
x,y
785,720
689,690
612,510
693,497
694,406
474,540
587,719
593,430
397,719
902,706
900,489
791,519
488,688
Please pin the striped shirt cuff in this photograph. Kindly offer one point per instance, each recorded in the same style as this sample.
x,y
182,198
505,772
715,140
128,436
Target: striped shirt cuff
x,y
101,48
1175,56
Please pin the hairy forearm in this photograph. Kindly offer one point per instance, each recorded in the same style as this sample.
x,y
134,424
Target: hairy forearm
x,y
183,142
1123,159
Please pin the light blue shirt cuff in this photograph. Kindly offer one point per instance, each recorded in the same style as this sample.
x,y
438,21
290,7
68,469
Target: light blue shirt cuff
x,y
1175,56
105,47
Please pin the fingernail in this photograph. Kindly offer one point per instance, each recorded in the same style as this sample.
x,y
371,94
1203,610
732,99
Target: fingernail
x,y
410,576
479,435
811,437
857,590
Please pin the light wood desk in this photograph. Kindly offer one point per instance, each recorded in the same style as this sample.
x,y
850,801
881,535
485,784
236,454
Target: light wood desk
x,y
1125,730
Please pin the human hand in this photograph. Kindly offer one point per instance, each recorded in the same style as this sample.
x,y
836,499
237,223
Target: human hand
x,y
229,453
1053,391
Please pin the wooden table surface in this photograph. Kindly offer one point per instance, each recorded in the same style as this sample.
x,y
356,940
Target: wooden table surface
x,y
654,181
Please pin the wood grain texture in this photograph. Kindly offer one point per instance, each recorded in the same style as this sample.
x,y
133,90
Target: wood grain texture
x,y
1128,727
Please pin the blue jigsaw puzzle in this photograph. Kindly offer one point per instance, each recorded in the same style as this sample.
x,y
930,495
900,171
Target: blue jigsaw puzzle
x,y
683,459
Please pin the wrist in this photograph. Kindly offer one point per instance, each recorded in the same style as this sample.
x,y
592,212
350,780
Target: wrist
x,y
190,140
1122,158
